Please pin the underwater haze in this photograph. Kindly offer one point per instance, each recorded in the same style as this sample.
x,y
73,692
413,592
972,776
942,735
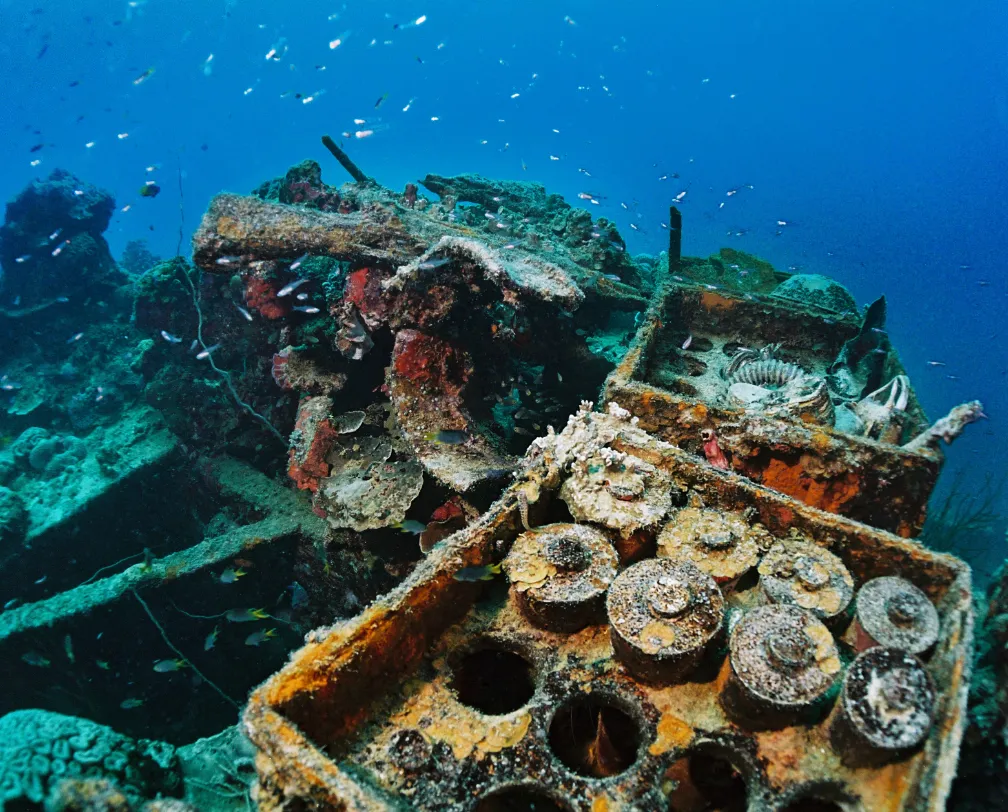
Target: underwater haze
x,y
229,421
865,141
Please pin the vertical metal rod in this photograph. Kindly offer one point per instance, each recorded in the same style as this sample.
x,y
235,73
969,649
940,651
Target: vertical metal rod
x,y
674,239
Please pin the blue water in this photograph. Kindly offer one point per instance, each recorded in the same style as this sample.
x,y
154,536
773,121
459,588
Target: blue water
x,y
877,131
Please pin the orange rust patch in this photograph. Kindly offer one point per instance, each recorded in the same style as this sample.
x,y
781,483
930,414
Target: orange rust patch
x,y
716,302
647,401
603,803
821,441
673,734
831,495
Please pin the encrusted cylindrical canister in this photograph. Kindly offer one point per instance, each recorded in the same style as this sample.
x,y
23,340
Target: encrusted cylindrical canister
x,y
804,574
559,575
886,708
721,544
663,614
890,611
782,663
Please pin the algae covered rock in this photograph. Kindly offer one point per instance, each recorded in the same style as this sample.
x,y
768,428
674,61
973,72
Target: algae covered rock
x,y
366,489
38,748
53,455
13,517
732,269
818,291
26,441
301,185
54,227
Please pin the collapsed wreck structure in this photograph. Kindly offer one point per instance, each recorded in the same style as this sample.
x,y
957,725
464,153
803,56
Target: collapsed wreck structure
x,y
702,595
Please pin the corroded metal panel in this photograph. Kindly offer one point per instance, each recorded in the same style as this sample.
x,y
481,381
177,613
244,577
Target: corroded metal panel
x,y
449,694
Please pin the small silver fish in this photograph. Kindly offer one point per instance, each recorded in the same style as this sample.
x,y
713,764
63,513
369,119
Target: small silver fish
x,y
206,353
310,309
170,338
130,704
687,342
290,287
167,666
74,338
55,234
23,258
301,297
59,248
243,311
297,263
68,649
227,260
35,659
432,264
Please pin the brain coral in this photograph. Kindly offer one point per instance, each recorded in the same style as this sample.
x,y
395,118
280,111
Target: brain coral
x,y
38,748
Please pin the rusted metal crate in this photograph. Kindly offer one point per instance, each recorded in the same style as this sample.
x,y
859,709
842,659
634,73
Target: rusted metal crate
x,y
443,694
672,379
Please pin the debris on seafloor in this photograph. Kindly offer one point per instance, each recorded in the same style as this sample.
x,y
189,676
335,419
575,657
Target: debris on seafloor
x,y
477,689
462,315
646,603
779,378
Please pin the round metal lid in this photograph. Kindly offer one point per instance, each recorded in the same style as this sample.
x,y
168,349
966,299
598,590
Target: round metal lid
x,y
562,563
895,613
665,608
783,655
889,698
719,543
804,574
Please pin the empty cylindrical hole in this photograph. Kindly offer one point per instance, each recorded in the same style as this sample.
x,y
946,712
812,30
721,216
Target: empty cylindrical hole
x,y
707,780
812,805
520,799
493,680
593,736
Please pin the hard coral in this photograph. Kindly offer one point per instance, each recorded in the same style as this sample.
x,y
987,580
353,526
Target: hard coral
x,y
74,746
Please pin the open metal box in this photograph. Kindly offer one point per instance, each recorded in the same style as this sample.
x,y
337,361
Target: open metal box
x,y
443,694
677,378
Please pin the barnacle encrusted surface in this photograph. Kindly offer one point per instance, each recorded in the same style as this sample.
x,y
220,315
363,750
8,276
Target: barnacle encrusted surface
x,y
722,544
365,489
